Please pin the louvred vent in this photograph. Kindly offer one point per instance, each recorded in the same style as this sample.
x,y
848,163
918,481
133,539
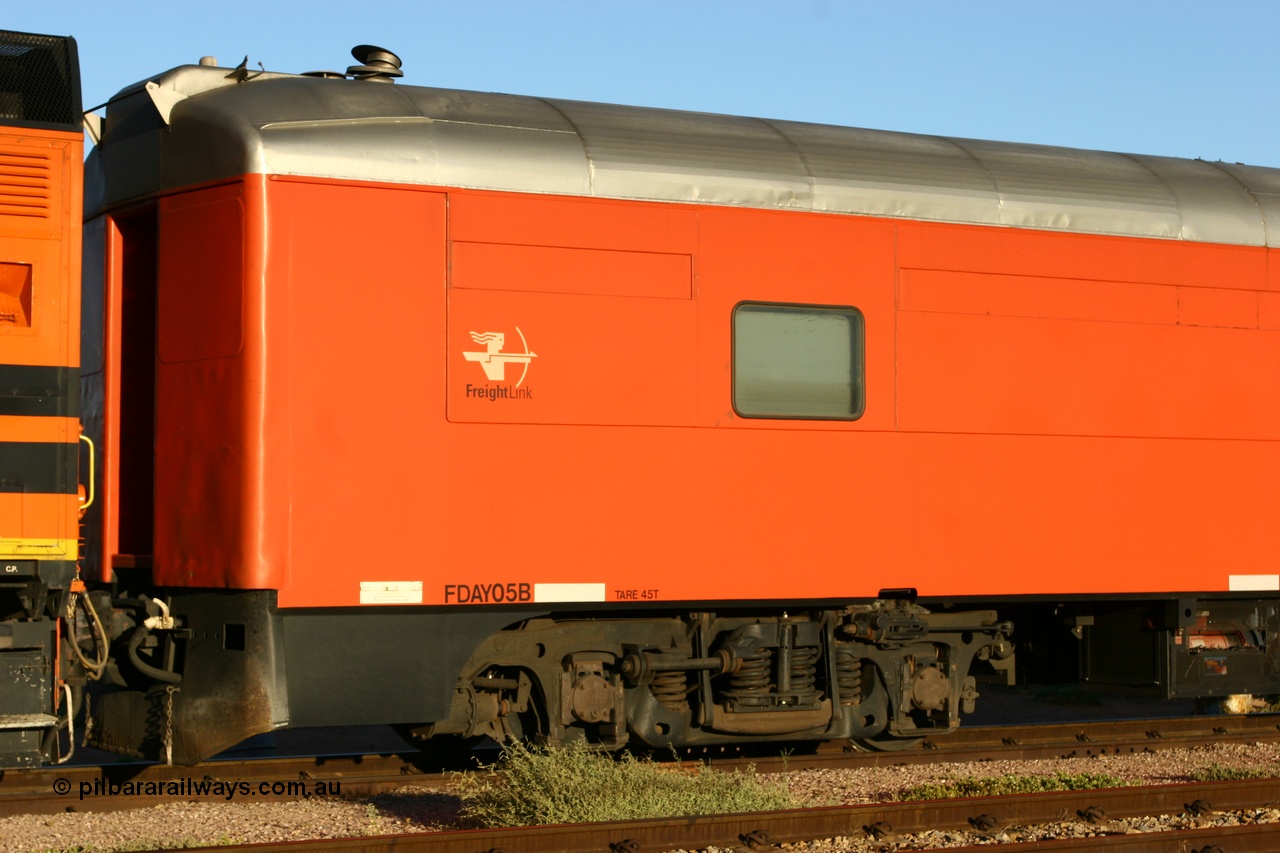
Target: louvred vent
x,y
25,183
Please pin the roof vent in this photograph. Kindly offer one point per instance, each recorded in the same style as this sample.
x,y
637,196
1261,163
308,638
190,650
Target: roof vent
x,y
376,63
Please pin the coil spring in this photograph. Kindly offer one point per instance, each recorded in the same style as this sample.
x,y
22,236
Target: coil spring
x,y
804,669
670,689
849,677
752,677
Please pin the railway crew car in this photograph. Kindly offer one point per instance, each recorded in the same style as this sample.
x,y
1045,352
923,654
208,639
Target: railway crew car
x,y
41,150
484,414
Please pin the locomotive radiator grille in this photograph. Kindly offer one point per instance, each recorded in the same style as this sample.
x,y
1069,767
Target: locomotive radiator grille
x,y
25,183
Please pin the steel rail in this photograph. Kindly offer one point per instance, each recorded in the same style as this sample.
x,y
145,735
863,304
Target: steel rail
x,y
33,791
1259,838
52,790
1054,740
885,821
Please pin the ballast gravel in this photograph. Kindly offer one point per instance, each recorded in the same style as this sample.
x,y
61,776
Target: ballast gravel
x,y
409,809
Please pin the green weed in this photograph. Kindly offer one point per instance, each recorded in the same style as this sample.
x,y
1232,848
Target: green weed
x,y
539,785
998,786
1219,773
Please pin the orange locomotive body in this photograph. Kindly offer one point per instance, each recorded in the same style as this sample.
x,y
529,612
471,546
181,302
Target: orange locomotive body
x,y
41,151
478,414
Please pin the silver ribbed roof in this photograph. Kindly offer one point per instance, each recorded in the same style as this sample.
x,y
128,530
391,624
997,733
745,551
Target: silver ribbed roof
x,y
284,124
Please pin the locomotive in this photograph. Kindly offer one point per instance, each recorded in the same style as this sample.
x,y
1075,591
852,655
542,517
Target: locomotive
x,y
41,149
479,414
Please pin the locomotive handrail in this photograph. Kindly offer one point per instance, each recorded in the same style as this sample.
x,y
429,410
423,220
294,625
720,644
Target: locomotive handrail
x,y
86,502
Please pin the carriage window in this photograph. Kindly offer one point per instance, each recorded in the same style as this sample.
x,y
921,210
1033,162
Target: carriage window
x,y
796,361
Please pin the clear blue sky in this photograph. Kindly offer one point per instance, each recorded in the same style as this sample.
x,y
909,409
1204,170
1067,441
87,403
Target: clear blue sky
x,y
1186,79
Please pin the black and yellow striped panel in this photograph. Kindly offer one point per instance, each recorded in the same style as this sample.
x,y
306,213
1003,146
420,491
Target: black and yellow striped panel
x,y
39,465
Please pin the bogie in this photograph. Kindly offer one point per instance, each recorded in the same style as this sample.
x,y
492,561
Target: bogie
x,y
887,669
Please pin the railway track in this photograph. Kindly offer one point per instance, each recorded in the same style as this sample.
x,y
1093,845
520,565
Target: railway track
x,y
125,786
876,825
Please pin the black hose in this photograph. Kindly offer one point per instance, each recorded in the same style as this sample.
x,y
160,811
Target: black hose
x,y
140,633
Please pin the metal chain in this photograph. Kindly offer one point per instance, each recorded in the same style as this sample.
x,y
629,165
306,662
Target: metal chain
x,y
168,724
88,718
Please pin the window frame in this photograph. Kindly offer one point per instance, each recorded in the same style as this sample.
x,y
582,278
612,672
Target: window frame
x,y
858,376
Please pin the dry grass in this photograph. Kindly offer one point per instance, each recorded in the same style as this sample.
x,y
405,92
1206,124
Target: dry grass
x,y
578,785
